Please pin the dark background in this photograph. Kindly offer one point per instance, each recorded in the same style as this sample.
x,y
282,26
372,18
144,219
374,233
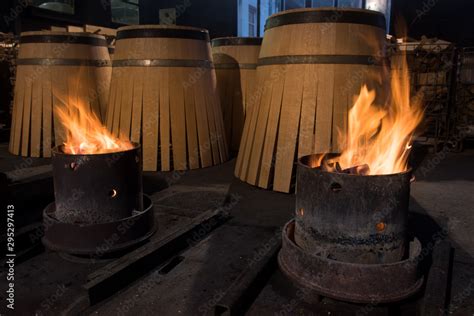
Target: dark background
x,y
451,20
218,16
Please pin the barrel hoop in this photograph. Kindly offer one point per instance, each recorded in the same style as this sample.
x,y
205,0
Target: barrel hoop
x,y
237,41
63,62
63,39
162,63
327,16
235,66
167,33
320,59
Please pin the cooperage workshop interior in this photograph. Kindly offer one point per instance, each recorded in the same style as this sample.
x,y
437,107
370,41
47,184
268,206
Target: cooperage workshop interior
x,y
237,157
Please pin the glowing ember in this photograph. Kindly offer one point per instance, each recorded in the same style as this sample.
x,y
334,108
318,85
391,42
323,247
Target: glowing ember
x,y
86,134
378,139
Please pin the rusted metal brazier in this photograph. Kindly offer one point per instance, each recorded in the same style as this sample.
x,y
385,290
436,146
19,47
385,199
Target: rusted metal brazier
x,y
349,240
352,282
350,217
100,207
97,188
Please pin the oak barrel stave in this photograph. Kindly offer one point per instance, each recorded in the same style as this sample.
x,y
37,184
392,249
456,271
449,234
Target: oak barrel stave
x,y
312,63
54,70
235,60
164,95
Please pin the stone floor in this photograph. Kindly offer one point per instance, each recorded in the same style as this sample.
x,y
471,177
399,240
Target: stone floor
x,y
443,190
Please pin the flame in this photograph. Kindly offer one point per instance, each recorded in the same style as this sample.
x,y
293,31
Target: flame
x,y
381,136
86,134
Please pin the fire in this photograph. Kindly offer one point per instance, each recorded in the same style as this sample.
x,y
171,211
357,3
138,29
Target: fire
x,y
379,138
86,134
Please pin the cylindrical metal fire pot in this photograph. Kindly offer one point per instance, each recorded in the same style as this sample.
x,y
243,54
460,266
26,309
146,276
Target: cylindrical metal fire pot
x,y
97,188
351,218
352,282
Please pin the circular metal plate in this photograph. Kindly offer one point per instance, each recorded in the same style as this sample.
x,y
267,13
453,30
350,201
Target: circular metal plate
x,y
98,239
358,283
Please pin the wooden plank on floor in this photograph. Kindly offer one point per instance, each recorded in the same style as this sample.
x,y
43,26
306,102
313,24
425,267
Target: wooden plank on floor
x,y
242,293
125,270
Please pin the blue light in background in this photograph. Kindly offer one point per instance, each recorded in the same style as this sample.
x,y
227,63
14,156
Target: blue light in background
x,y
247,20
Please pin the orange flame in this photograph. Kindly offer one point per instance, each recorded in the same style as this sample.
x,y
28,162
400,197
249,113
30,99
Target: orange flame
x,y
381,137
86,134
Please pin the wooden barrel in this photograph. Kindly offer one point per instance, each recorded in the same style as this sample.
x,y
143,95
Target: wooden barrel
x,y
311,65
55,69
163,94
111,49
235,60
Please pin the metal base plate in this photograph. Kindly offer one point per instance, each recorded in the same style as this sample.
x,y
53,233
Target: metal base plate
x,y
352,282
98,239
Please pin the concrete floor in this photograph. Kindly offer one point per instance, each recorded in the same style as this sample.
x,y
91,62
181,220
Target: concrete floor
x,y
443,190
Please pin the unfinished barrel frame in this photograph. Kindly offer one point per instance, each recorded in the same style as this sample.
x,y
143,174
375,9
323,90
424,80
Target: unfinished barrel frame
x,y
235,60
55,69
163,95
312,64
